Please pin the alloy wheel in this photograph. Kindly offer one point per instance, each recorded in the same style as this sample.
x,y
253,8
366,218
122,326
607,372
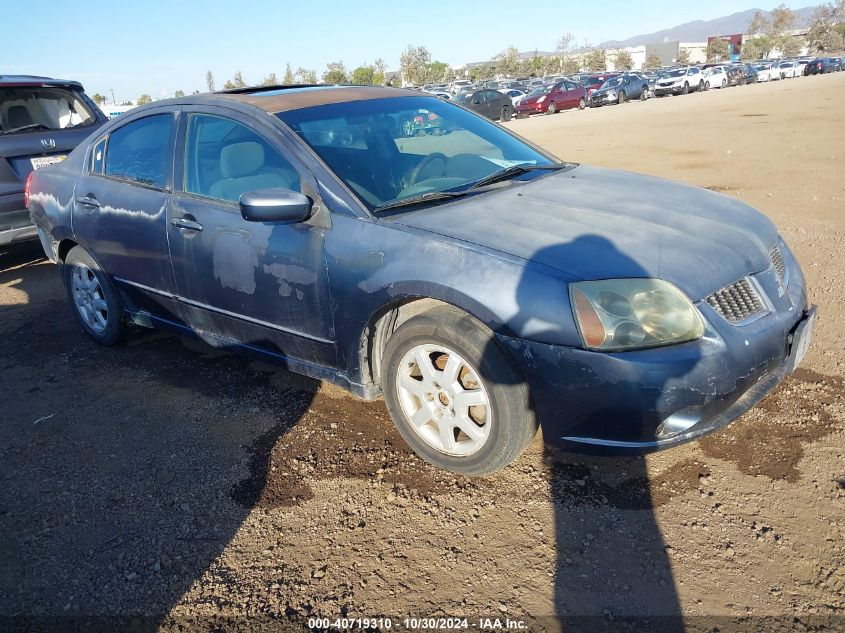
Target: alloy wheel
x,y
89,299
444,400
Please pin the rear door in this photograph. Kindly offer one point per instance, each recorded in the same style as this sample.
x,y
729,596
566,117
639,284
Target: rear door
x,y
119,212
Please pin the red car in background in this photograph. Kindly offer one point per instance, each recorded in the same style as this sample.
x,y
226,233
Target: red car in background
x,y
550,98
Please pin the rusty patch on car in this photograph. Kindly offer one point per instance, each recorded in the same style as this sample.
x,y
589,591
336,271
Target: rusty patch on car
x,y
760,443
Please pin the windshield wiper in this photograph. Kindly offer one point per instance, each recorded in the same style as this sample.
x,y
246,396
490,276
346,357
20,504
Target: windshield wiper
x,y
431,196
25,127
511,172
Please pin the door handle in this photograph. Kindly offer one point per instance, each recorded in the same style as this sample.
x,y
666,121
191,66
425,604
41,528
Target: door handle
x,y
88,201
186,223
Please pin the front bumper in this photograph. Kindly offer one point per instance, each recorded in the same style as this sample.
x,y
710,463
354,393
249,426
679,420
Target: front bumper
x,y
599,100
15,223
646,400
667,90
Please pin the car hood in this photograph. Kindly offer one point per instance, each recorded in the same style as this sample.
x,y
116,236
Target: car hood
x,y
603,91
594,223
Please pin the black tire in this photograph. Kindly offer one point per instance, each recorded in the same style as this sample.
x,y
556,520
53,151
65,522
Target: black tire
x,y
724,83
706,86
644,93
701,86
582,103
511,418
620,99
552,108
506,113
79,262
685,89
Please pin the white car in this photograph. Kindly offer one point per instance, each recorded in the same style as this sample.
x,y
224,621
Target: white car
x,y
515,95
799,67
789,70
680,81
715,77
767,72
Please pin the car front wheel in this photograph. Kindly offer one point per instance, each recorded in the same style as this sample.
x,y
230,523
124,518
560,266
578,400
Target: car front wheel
x,y
552,108
454,394
95,301
685,89
621,97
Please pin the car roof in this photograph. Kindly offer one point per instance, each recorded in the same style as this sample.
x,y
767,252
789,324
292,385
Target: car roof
x,y
36,80
276,99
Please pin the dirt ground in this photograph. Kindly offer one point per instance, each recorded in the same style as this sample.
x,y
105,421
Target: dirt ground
x,y
183,487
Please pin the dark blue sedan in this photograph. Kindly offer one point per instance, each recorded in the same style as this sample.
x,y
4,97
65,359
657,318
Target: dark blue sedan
x,y
478,284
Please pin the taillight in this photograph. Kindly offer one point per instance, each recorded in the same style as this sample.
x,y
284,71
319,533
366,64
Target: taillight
x,y
26,189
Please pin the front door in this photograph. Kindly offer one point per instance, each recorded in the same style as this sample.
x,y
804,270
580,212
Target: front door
x,y
262,285
119,212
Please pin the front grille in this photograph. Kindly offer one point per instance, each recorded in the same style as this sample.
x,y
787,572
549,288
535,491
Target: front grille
x,y
777,262
737,302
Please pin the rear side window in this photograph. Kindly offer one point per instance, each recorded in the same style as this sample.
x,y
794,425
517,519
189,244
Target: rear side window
x,y
140,150
98,157
32,109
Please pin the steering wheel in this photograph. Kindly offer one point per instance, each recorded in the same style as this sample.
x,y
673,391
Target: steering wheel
x,y
425,162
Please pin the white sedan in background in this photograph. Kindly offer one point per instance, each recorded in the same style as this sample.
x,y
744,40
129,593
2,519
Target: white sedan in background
x,y
789,70
715,77
767,72
515,95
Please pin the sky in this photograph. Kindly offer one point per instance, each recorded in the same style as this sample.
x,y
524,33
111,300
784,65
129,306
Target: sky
x,y
158,47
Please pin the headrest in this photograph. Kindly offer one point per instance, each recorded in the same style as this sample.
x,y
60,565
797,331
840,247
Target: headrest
x,y
241,159
18,116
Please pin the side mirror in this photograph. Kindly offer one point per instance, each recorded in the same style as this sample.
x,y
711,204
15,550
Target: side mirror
x,y
275,205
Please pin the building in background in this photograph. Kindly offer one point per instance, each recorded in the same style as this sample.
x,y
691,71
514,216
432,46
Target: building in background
x,y
734,45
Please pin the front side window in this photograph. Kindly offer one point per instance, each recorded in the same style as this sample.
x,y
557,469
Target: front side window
x,y
140,150
386,150
225,159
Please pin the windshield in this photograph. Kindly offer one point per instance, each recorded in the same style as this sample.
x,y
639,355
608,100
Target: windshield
x,y
540,90
593,81
28,109
612,82
679,72
386,150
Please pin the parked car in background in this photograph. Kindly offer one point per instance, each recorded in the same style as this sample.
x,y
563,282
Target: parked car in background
x,y
551,98
767,71
515,95
751,76
41,121
736,75
680,81
486,102
459,85
836,64
479,285
715,77
788,69
594,81
620,89
817,66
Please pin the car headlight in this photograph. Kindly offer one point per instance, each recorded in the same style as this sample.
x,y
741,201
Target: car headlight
x,y
611,95
541,99
621,314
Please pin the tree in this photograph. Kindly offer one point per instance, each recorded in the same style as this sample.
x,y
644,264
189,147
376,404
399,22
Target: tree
x,y
363,75
99,99
565,44
288,80
653,60
438,72
380,72
238,80
209,80
683,56
335,73
413,64
595,59
571,65
144,99
551,65
270,80
623,60
507,62
717,50
179,93
305,76
826,32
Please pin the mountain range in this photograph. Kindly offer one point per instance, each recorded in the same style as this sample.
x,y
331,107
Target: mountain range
x,y
700,30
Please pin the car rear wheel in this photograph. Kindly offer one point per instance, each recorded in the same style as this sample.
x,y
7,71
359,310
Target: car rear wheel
x,y
552,107
94,299
454,394
582,103
506,113
701,85
621,97
724,82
